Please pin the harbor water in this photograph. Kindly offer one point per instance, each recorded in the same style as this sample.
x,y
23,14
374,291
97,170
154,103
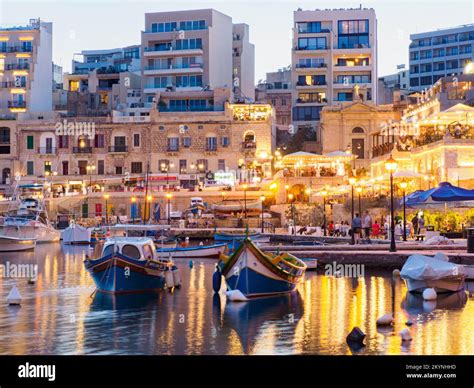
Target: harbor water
x,y
61,314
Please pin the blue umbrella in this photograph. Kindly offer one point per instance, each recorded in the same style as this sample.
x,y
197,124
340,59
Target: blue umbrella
x,y
444,193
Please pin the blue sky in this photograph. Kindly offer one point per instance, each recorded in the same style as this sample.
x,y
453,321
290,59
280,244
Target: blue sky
x,y
86,24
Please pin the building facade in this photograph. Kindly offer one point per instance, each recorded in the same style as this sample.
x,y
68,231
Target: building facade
x,y
393,88
25,69
333,50
185,149
437,54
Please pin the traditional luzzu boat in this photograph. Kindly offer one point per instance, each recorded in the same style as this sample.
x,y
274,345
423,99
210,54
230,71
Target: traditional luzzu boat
x,y
208,251
251,273
131,264
230,236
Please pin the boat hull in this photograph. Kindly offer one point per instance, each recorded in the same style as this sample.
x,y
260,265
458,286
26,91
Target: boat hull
x,y
118,274
12,244
41,232
254,275
229,237
452,284
212,251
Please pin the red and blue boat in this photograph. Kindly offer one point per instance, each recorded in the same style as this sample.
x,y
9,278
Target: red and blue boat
x,y
131,264
251,273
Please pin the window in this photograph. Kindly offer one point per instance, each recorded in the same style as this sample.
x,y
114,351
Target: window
x,y
47,167
63,141
131,251
99,140
414,81
225,141
4,140
100,167
188,81
189,44
136,140
65,164
309,27
353,33
186,142
30,142
358,148
183,166
353,79
221,164
357,130
211,143
306,113
312,43
202,165
173,144
136,167
118,170
30,170
344,96
163,165
427,80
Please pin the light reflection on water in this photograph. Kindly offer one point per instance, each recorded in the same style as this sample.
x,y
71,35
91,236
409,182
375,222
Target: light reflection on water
x,y
59,316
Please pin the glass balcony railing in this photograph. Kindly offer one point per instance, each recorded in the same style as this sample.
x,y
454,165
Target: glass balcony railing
x,y
173,67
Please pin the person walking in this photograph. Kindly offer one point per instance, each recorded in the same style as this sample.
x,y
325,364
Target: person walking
x,y
414,222
367,225
376,229
357,227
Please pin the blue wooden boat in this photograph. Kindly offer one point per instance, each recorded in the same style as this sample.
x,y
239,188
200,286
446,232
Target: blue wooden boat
x,y
208,251
251,273
130,264
234,236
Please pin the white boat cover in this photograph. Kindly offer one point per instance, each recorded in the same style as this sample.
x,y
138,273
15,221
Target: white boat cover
x,y
419,267
76,233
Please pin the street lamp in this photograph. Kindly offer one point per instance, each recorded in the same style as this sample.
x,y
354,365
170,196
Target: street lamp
x,y
324,193
90,168
245,187
106,197
262,198
352,182
291,198
391,166
133,200
403,186
168,197
148,200
359,191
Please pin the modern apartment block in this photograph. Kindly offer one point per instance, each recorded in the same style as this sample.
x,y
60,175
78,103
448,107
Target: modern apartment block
x,y
437,54
188,53
393,88
100,79
243,64
334,55
276,90
25,69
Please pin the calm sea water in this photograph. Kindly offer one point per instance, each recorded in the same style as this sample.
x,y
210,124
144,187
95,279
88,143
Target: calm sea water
x,y
58,315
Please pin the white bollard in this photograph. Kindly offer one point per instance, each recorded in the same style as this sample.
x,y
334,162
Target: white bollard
x,y
396,272
429,294
406,335
169,279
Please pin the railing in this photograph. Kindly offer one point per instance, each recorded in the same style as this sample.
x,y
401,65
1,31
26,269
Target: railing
x,y
170,48
82,150
47,150
382,149
249,145
268,227
120,148
190,109
311,66
192,66
172,149
316,101
17,104
17,66
306,48
211,148
16,49
321,83
7,84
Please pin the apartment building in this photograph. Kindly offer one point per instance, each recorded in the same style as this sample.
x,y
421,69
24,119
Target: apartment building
x,y
276,91
180,148
187,53
25,69
100,79
440,53
243,64
394,88
334,50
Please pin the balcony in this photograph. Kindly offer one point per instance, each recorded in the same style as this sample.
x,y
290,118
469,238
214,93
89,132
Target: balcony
x,y
82,150
312,101
16,49
47,150
16,104
322,66
155,70
310,48
17,66
118,148
190,109
166,52
249,145
304,85
7,85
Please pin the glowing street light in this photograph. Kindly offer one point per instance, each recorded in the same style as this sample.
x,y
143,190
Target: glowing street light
x,y
106,197
403,186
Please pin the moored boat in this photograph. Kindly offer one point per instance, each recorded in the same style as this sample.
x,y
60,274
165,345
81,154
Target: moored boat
x,y
15,244
234,235
422,272
251,273
208,251
130,264
76,234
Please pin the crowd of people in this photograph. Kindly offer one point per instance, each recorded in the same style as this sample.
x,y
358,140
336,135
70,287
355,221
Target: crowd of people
x,y
365,227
